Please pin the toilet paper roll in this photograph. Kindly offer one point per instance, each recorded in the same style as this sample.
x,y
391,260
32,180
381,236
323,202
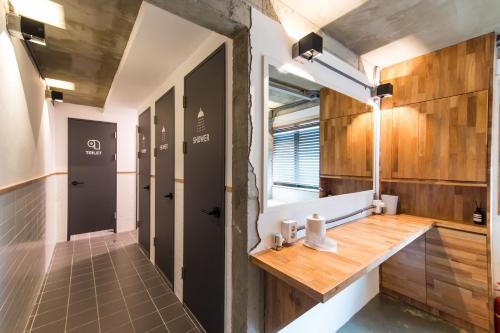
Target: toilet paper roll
x,y
315,228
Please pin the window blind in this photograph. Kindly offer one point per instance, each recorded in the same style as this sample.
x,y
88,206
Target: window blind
x,y
296,156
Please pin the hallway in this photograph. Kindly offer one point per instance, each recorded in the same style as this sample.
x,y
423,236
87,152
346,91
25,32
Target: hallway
x,y
102,282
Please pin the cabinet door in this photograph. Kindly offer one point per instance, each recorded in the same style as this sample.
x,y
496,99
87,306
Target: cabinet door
x,y
457,275
335,143
404,272
404,142
452,138
362,144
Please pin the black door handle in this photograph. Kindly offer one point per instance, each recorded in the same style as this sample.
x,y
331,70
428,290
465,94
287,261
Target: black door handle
x,y
214,212
75,183
146,187
169,195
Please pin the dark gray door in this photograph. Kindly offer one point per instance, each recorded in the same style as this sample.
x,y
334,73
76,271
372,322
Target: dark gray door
x,y
204,192
165,183
144,156
91,176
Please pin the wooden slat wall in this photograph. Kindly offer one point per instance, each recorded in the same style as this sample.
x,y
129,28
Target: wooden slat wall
x,y
343,185
404,272
445,202
283,303
462,68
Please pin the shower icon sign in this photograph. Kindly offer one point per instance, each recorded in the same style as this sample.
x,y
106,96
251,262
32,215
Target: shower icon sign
x,y
200,122
163,134
94,144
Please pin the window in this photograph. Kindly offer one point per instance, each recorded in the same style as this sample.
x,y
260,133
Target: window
x,y
296,156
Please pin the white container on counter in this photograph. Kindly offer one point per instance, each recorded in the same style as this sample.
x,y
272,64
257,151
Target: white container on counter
x,y
390,203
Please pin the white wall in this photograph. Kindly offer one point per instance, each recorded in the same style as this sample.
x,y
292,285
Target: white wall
x,y
176,79
270,40
25,115
126,162
26,123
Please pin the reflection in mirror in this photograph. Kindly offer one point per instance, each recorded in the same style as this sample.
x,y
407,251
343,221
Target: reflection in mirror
x,y
320,142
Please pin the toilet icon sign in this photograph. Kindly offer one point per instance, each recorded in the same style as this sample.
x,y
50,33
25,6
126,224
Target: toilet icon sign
x,y
94,144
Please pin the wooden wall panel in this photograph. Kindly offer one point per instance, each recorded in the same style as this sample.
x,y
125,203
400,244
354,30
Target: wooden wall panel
x,y
445,202
457,274
283,304
334,104
343,185
455,70
404,272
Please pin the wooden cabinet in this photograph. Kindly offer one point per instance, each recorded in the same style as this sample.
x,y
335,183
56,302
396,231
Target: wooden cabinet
x,y
334,104
454,70
446,272
346,135
404,272
346,146
443,139
335,146
457,275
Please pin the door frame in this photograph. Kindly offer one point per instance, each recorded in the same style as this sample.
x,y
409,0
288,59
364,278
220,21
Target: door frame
x,y
68,222
172,89
224,210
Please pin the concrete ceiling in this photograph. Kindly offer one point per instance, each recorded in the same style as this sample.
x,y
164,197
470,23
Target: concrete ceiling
x,y
160,42
89,50
385,32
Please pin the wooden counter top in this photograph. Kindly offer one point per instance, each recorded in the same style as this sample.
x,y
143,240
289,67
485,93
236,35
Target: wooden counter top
x,y
362,245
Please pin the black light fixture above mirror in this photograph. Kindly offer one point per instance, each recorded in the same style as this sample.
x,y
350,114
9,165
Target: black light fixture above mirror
x,y
308,47
57,96
384,90
311,46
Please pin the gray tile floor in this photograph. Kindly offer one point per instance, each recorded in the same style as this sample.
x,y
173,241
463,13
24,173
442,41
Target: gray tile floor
x,y
384,314
103,282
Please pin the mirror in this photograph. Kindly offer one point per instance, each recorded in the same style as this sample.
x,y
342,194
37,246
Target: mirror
x,y
318,142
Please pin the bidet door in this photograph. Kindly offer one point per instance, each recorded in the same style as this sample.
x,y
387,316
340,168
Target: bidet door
x,y
144,178
204,191
91,176
165,183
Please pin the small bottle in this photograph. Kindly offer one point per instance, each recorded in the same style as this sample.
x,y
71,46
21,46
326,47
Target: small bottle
x,y
478,215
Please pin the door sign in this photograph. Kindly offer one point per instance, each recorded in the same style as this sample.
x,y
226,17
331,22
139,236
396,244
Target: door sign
x,y
164,144
201,129
95,147
144,150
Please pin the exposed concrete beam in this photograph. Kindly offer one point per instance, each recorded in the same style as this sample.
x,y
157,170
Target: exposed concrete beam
x,y
225,17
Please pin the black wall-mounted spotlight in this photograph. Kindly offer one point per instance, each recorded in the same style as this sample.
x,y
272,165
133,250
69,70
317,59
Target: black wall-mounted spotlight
x,y
25,28
308,47
384,90
57,96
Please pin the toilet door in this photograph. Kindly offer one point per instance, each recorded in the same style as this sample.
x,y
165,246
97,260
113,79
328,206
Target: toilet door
x,y
165,183
91,176
204,191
